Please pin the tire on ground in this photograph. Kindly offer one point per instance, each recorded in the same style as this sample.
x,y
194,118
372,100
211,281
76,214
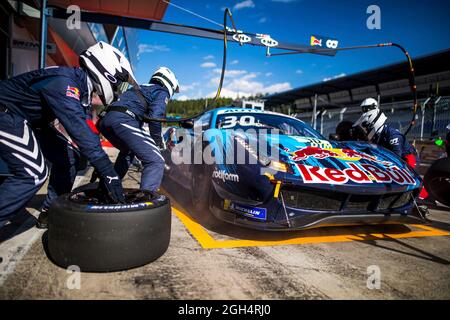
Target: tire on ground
x,y
104,238
437,180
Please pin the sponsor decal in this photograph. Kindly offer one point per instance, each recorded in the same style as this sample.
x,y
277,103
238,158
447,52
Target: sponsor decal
x,y
225,176
315,42
73,92
242,38
313,142
342,154
238,111
118,207
367,173
252,212
394,141
320,41
267,40
315,152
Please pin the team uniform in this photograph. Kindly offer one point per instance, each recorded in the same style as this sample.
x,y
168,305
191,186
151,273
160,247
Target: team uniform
x,y
29,103
380,133
123,127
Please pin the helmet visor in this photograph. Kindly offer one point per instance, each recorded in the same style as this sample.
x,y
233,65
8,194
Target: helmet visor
x,y
368,107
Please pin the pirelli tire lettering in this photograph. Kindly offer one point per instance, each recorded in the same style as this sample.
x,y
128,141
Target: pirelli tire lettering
x,y
367,173
108,237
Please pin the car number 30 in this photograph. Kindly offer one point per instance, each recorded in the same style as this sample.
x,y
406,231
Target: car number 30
x,y
232,121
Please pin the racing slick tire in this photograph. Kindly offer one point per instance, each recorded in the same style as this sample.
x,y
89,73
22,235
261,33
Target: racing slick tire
x,y
437,180
100,237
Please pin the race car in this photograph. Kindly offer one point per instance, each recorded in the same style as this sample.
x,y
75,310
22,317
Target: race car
x,y
270,171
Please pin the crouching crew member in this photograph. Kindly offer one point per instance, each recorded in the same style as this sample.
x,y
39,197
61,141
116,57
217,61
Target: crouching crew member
x,y
123,126
373,120
31,101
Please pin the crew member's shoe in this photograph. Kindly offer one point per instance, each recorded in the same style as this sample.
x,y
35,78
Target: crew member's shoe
x,y
42,222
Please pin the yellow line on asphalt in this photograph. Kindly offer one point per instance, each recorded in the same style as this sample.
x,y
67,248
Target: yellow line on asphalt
x,y
208,242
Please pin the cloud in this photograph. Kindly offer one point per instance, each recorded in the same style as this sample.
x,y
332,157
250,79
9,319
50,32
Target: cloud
x,y
149,48
244,4
208,57
268,74
234,62
334,77
243,84
262,20
208,65
230,73
188,87
299,71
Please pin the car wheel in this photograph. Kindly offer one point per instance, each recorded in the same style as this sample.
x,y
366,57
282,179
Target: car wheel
x,y
100,237
437,180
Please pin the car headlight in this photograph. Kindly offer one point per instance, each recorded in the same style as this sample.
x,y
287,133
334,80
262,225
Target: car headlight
x,y
279,166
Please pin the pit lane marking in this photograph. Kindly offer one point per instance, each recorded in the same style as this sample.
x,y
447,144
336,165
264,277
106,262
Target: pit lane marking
x,y
207,241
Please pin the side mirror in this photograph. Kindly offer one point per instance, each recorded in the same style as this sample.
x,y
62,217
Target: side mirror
x,y
188,124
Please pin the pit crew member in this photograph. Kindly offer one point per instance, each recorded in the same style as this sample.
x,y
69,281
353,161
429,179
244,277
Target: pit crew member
x,y
31,101
373,121
123,127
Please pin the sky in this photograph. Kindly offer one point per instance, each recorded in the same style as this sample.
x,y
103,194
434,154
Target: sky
x,y
422,27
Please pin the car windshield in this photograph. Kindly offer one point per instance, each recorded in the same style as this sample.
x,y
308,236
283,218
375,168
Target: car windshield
x,y
286,125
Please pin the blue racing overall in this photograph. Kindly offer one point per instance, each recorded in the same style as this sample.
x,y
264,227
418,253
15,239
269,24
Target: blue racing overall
x,y
28,103
123,127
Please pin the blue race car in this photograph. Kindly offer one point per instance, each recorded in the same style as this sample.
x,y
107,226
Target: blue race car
x,y
270,171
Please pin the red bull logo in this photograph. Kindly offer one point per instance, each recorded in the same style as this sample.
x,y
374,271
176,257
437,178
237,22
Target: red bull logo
x,y
73,92
343,154
367,173
361,155
315,152
316,42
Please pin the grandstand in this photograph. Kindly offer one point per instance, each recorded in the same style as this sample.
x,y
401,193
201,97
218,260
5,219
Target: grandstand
x,y
327,103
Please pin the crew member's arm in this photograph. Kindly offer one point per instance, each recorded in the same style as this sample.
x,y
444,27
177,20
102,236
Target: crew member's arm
x,y
158,110
62,95
396,141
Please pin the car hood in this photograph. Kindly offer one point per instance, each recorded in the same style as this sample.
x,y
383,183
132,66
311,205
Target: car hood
x,y
319,162
355,167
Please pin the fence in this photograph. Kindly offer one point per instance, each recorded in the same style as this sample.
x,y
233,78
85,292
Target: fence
x,y
431,121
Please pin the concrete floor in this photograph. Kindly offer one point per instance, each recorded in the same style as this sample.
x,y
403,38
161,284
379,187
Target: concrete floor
x,y
410,267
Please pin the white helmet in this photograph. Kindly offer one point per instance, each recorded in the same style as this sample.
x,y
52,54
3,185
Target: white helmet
x,y
372,121
108,69
167,78
369,104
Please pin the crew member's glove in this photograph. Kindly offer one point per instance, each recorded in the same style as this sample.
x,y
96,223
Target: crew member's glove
x,y
112,187
110,183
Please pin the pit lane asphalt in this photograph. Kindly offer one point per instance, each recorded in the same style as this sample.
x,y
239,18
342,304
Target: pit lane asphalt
x,y
411,268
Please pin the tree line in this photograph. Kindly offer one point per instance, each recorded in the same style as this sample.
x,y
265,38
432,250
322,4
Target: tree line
x,y
194,106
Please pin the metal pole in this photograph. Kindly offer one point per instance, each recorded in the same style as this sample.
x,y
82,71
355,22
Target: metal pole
x,y
341,114
43,40
321,120
422,122
314,116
